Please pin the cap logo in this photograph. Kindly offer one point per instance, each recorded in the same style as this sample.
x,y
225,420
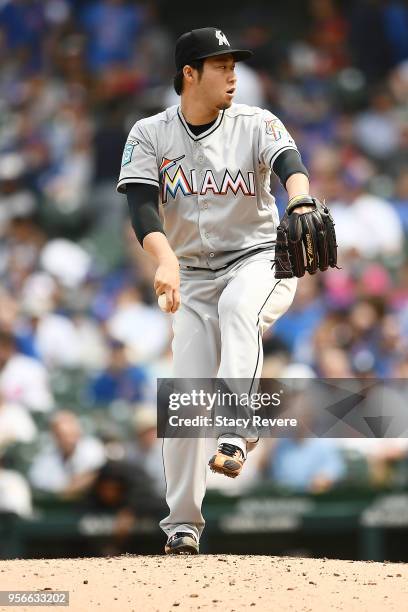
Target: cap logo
x,y
222,39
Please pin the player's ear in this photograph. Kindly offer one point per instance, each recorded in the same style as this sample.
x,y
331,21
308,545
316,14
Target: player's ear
x,y
188,73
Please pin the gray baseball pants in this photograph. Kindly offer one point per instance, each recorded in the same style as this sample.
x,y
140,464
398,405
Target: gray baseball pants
x,y
217,333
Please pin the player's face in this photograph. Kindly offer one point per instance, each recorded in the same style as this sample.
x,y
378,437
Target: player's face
x,y
218,82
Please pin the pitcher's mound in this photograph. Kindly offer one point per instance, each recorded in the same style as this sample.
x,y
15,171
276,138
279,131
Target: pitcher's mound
x,y
212,582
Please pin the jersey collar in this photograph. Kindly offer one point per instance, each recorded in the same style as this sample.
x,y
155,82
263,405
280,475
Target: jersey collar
x,y
210,130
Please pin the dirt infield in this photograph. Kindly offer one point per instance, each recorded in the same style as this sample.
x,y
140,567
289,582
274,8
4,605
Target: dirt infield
x,y
207,582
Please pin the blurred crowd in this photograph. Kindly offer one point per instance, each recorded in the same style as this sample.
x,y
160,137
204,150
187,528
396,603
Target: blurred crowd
x,y
82,340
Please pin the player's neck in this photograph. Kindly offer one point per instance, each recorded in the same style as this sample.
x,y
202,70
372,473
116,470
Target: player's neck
x,y
195,113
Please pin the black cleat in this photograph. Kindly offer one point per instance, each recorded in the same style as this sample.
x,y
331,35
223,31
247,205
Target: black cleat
x,y
182,543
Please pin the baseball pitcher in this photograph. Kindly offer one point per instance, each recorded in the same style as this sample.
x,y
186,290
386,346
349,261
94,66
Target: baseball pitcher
x,y
197,181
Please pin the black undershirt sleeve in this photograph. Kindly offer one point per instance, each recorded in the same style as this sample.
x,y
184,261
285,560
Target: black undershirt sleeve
x,y
287,163
144,209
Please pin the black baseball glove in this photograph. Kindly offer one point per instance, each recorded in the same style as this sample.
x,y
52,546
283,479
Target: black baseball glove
x,y
305,242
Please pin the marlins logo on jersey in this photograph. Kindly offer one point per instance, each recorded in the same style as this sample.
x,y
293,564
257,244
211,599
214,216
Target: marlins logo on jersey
x,y
274,128
190,186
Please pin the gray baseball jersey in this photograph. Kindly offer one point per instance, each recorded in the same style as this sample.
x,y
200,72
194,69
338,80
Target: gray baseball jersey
x,y
214,188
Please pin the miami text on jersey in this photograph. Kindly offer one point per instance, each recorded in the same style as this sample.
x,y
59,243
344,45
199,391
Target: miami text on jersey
x,y
179,181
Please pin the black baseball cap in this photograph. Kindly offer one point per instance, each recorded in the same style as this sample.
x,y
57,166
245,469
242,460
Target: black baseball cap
x,y
205,42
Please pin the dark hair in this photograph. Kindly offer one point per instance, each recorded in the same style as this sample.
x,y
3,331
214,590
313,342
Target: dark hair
x,y
178,78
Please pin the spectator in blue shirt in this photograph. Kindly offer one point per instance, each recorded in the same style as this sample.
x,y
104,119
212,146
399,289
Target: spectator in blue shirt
x,y
24,26
121,380
301,462
112,27
305,464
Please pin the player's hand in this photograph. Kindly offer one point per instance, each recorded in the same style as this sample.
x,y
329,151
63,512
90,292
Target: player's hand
x,y
167,280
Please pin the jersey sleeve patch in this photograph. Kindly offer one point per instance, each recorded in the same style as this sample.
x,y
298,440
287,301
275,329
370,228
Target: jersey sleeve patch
x,y
128,151
274,128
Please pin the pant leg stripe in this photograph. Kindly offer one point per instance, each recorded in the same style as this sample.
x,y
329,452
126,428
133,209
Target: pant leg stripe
x,y
259,332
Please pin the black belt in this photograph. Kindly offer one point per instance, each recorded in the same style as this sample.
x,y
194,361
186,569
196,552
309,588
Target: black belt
x,y
244,256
